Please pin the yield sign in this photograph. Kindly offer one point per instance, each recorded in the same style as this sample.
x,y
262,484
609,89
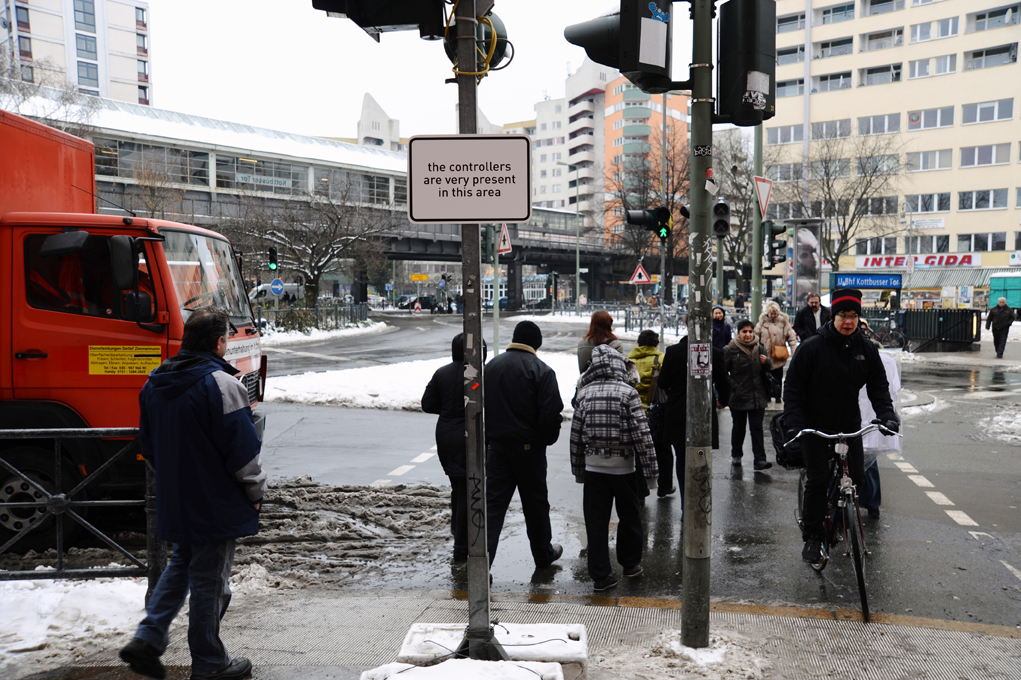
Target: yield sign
x,y
504,245
640,276
763,187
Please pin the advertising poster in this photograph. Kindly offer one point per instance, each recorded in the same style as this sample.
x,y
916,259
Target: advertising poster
x,y
807,262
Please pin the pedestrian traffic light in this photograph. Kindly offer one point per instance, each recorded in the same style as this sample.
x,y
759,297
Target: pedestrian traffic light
x,y
776,247
636,41
746,86
381,16
721,219
273,258
658,220
487,244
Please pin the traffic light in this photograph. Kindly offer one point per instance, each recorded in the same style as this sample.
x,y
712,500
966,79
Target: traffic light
x,y
272,258
487,245
658,220
381,16
636,41
746,85
776,248
721,219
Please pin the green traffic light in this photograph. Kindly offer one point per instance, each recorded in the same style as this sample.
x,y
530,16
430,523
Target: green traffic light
x,y
272,265
664,232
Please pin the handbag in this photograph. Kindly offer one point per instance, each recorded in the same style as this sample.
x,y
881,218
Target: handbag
x,y
772,385
779,352
656,395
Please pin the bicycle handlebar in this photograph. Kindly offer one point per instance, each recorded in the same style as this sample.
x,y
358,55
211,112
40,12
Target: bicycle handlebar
x,y
846,435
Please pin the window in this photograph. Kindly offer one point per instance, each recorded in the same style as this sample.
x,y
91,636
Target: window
x,y
790,88
980,243
997,18
542,189
946,28
835,48
542,174
839,208
878,206
143,70
142,42
884,6
928,203
785,172
558,109
987,111
88,74
558,155
557,124
916,3
876,246
556,188
831,169
878,165
985,199
784,211
885,40
831,129
918,69
990,154
143,95
25,46
837,14
27,73
542,158
1017,201
921,32
791,23
787,134
880,75
248,174
923,245
834,81
140,18
542,127
879,125
931,118
946,64
85,15
994,56
21,14
556,172
86,45
920,161
790,55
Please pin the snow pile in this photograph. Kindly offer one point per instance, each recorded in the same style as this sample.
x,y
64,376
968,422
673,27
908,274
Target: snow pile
x,y
271,338
1013,335
932,407
1005,424
729,655
468,669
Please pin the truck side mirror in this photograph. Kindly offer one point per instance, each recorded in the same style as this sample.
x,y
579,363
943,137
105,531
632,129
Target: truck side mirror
x,y
67,243
124,261
138,307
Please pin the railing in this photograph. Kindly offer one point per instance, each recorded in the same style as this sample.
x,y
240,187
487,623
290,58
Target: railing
x,y
322,317
925,327
59,503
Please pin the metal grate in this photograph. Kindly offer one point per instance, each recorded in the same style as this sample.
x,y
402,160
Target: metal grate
x,y
251,383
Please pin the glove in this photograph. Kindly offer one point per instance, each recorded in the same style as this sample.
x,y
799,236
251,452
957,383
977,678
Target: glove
x,y
580,479
893,424
795,450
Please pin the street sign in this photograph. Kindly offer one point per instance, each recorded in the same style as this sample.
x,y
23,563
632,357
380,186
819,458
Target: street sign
x,y
763,188
389,286
470,178
419,277
277,287
441,283
504,245
640,276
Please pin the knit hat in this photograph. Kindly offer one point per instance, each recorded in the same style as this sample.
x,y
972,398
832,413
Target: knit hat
x,y
527,333
845,300
715,307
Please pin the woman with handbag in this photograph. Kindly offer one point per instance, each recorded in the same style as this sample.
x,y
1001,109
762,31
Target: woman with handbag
x,y
774,331
649,361
746,362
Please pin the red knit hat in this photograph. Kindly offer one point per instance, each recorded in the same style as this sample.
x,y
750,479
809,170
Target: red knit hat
x,y
845,300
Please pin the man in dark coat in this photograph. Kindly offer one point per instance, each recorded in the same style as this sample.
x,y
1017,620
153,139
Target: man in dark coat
x,y
444,396
523,408
821,392
197,430
811,318
1000,318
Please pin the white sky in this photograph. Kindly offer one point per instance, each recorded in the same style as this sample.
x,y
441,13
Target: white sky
x,y
286,66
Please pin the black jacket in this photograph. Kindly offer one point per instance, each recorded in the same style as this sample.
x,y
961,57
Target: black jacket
x,y
523,401
804,322
999,317
674,379
823,380
444,395
747,373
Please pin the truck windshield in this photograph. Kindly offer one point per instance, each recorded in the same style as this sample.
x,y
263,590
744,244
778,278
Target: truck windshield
x,y
205,273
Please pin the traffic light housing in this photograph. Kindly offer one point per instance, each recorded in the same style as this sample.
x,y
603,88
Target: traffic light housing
x,y
272,258
721,219
746,73
658,220
776,248
636,41
381,16
487,244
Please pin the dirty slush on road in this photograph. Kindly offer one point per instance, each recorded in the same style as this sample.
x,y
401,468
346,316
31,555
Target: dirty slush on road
x,y
313,535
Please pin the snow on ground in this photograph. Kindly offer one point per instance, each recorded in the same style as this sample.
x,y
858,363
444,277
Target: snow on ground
x,y
932,407
271,338
1005,424
1013,335
729,655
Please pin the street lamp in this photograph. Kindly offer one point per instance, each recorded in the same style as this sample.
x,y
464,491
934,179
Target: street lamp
x,y
577,238
910,260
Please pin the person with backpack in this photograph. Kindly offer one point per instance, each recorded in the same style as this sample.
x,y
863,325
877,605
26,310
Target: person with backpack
x,y
746,361
649,361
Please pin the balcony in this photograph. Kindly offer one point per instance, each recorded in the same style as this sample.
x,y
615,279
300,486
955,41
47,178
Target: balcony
x,y
584,106
637,130
582,155
636,95
143,102
141,25
584,123
580,140
882,44
637,112
636,147
143,52
143,77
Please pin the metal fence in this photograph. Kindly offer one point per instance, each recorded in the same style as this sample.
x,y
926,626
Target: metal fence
x,y
942,329
60,503
324,317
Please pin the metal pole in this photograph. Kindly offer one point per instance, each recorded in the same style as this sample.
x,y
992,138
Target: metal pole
x,y
721,282
577,243
496,294
698,454
662,242
757,243
479,641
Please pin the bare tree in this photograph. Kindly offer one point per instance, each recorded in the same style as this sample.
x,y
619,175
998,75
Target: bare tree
x,y
851,182
40,90
733,171
159,192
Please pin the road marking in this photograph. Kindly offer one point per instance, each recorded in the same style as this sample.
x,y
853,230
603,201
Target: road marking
x,y
422,457
961,518
433,447
894,456
921,481
976,534
380,482
401,470
938,498
906,467
1016,572
307,354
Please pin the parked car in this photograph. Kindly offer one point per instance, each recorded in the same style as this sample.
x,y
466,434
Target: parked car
x,y
488,304
428,302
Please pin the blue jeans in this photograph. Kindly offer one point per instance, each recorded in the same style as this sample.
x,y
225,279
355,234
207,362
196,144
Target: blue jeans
x,y
204,569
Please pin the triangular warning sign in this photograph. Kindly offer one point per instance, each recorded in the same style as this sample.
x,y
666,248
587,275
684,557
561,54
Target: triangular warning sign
x,y
763,188
640,276
504,245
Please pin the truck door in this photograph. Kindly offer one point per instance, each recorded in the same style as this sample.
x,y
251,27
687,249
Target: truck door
x,y
71,342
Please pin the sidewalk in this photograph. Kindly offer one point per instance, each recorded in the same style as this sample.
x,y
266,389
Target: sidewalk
x,y
296,634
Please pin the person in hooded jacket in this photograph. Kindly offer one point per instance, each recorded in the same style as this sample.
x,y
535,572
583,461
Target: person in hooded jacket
x,y
722,333
746,361
444,396
609,432
774,331
196,429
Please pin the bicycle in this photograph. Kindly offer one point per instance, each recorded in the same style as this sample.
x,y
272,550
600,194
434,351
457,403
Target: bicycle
x,y
888,337
842,503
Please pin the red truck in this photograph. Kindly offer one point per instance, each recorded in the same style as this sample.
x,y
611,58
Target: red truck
x,y
89,305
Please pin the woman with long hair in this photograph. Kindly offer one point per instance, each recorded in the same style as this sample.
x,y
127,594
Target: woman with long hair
x,y
600,332
774,332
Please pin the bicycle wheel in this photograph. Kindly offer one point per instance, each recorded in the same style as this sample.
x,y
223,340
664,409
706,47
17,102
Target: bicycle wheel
x,y
857,549
897,339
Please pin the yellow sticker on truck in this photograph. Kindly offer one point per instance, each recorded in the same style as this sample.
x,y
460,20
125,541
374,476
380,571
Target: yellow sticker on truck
x,y
124,359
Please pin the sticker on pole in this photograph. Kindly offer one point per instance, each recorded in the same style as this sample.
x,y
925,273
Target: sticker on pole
x,y
504,246
763,188
700,356
640,276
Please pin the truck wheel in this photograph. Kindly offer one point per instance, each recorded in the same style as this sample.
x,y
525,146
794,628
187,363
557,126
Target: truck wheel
x,y
36,464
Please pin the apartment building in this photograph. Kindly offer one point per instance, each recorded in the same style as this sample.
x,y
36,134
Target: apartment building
x,y
102,46
939,80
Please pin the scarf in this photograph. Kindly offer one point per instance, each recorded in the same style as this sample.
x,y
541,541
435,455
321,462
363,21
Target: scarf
x,y
748,348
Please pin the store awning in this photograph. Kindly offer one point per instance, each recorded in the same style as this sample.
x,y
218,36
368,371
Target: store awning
x,y
937,278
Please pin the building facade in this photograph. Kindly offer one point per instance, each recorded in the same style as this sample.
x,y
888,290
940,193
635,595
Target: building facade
x,y
931,88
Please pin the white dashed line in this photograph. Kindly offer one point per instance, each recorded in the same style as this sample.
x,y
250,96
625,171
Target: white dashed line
x,y
921,481
894,456
380,482
906,467
401,470
938,498
1016,572
422,457
962,518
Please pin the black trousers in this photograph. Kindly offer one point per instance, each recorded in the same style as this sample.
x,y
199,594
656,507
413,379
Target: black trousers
x,y
459,515
778,374
511,466
602,491
1000,339
817,478
753,419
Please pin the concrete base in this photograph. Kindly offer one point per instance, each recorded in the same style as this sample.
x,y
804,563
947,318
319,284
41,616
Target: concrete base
x,y
566,645
468,669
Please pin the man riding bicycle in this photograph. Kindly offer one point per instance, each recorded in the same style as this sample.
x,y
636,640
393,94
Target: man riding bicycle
x,y
823,381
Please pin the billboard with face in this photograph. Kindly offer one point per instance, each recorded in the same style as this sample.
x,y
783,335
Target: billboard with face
x,y
808,262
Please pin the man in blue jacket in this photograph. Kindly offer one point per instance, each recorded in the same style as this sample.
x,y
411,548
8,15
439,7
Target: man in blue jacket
x,y
196,429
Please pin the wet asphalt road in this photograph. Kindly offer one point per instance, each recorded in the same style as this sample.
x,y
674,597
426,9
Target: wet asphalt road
x,y
924,562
